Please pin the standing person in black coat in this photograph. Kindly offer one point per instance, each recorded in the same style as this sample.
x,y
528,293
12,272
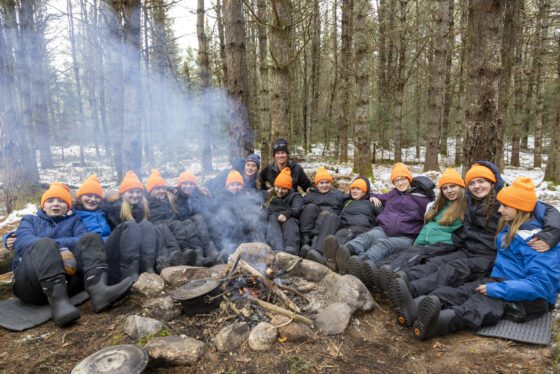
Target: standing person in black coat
x,y
281,155
283,207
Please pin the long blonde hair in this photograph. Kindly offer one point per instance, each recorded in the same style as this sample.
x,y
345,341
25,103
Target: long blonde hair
x,y
172,201
520,218
126,210
455,211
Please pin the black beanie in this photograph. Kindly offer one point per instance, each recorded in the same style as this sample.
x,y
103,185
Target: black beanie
x,y
254,158
280,144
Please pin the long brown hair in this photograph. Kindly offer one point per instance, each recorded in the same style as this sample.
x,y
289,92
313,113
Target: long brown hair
x,y
172,201
126,210
455,211
520,218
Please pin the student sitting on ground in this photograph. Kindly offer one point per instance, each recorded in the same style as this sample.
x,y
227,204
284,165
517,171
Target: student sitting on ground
x,y
523,284
56,257
283,207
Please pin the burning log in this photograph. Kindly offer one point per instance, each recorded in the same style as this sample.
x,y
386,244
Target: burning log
x,y
270,285
280,310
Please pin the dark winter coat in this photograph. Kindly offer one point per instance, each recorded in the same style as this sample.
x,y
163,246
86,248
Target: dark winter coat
x,y
112,210
403,213
289,205
95,221
270,172
189,205
333,201
160,210
359,214
66,231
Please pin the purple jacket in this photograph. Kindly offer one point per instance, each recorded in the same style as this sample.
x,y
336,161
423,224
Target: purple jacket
x,y
403,213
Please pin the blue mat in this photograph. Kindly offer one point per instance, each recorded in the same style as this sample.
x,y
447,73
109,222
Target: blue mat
x,y
537,331
16,315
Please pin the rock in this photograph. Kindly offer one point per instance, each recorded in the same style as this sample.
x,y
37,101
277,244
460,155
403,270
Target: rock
x,y
349,290
149,285
308,270
137,327
232,336
258,255
294,331
162,308
179,275
219,271
333,319
175,350
262,337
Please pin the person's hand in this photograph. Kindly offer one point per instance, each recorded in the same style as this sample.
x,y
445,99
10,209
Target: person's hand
x,y
375,201
10,242
270,189
481,289
538,245
69,262
204,190
282,218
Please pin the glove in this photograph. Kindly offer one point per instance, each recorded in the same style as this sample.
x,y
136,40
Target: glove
x,y
68,261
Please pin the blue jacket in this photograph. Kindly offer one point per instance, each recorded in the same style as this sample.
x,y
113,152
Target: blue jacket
x,y
528,274
66,231
95,221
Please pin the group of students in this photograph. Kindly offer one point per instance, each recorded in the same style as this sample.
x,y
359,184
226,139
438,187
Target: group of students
x,y
478,253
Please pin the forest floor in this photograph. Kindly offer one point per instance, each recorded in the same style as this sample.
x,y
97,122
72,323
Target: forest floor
x,y
373,342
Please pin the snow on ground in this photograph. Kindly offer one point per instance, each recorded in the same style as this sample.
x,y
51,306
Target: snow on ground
x,y
16,215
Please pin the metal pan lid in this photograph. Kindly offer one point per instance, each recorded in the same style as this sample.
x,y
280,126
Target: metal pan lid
x,y
194,289
119,359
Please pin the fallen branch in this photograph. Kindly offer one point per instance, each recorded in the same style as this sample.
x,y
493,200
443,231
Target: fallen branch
x,y
280,310
293,290
270,285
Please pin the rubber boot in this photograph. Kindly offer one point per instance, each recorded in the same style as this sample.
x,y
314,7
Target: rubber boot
x,y
291,250
355,268
102,295
306,239
368,273
212,251
202,260
432,321
404,305
304,250
316,256
384,280
330,249
130,270
190,257
62,310
342,258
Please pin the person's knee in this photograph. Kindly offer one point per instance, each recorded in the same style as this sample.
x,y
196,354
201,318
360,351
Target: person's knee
x,y
46,244
91,238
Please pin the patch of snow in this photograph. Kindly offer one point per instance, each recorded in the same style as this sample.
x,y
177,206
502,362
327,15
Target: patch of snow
x,y
16,215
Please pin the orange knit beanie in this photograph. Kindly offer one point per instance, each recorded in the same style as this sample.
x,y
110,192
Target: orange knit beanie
x,y
400,170
359,183
284,179
234,176
130,181
90,186
520,195
59,190
321,175
479,171
186,176
450,176
154,180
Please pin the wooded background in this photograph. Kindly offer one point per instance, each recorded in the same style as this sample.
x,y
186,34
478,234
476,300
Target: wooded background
x,y
480,75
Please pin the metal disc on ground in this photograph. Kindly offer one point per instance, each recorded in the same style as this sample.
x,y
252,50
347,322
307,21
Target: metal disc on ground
x,y
119,359
194,289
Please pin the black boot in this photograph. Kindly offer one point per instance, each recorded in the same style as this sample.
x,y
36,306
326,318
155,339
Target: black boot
x,y
62,310
190,257
383,280
368,273
330,249
131,270
304,250
316,256
202,260
342,259
305,239
404,305
432,320
102,295
355,268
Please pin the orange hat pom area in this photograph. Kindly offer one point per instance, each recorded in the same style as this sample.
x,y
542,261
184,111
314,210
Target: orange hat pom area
x,y
321,175
90,186
58,190
154,180
130,182
400,170
284,179
186,176
233,177
520,195
450,176
479,171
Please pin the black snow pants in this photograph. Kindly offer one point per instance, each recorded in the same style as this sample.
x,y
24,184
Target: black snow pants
x,y
280,235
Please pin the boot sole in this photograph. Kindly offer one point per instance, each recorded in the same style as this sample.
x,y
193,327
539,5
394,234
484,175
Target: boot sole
x,y
112,302
342,259
330,250
355,268
397,300
385,278
368,272
315,256
68,319
428,312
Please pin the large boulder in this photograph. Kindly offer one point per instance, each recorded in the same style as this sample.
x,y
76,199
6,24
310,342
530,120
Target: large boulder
x,y
149,285
262,336
231,337
137,327
306,269
176,350
349,290
258,255
179,275
333,319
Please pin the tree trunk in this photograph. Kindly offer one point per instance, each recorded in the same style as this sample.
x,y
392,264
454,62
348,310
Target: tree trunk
x,y
544,7
482,125
552,171
437,79
362,43
448,94
518,89
241,142
264,116
280,51
345,79
220,23
400,82
335,74
315,66
459,112
18,166
204,72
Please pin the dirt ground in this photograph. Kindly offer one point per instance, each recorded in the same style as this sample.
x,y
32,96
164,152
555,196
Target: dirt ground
x,y
373,342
